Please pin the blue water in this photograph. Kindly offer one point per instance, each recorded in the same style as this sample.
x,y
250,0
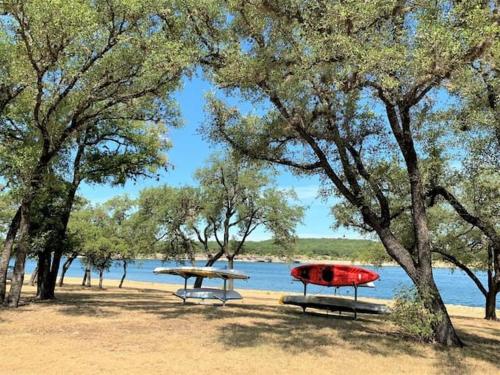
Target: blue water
x,y
455,286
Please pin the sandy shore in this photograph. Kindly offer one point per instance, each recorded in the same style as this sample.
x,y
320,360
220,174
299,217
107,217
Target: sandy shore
x,y
143,329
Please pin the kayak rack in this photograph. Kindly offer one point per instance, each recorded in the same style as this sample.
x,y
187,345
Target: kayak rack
x,y
340,312
186,273
224,298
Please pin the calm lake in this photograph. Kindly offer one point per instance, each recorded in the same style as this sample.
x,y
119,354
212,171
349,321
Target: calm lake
x,y
455,286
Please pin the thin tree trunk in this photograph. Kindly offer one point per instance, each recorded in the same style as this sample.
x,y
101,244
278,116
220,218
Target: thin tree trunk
x,y
124,273
89,277
7,252
230,266
34,276
101,277
21,253
86,278
491,297
66,266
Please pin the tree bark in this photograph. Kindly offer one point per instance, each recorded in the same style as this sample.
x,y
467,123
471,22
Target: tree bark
x,y
210,262
44,291
230,266
101,277
84,280
34,276
124,273
421,275
21,253
66,266
444,332
7,252
491,304
86,277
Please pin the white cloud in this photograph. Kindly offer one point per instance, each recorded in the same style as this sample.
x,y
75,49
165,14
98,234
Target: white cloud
x,y
308,192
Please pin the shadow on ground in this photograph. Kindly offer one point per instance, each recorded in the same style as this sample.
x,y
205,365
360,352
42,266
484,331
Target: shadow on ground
x,y
249,325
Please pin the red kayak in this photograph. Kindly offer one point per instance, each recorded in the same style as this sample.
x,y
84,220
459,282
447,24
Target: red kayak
x,y
333,275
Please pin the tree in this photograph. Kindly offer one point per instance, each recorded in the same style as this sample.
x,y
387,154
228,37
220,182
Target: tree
x,y
166,221
344,88
472,190
118,151
122,227
233,199
82,64
102,235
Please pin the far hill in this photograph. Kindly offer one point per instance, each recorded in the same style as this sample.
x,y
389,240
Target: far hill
x,y
319,248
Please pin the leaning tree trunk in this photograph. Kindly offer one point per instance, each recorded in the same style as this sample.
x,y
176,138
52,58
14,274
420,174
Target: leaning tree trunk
x,y
34,276
421,275
21,254
124,273
7,252
444,332
210,262
86,277
66,266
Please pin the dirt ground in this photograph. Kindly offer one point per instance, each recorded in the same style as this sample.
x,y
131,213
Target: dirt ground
x,y
143,329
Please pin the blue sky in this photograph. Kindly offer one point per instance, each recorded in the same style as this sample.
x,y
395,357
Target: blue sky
x,y
190,152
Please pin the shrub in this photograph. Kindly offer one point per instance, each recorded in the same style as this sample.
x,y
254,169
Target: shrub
x,y
411,316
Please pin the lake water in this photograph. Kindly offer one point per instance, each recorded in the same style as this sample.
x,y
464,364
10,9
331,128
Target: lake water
x,y
455,286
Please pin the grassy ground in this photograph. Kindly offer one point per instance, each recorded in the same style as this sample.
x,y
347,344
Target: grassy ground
x,y
144,329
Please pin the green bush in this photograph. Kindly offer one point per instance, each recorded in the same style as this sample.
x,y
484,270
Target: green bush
x,y
411,316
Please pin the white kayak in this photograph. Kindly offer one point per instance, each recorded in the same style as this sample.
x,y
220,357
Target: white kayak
x,y
335,304
208,293
210,272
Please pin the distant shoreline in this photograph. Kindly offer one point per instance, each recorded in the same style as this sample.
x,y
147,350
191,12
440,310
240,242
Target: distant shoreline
x,y
296,260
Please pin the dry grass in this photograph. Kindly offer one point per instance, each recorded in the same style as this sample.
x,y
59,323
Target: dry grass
x,y
144,329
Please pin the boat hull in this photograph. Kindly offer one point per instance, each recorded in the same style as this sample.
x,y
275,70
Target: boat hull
x,y
333,275
335,304
209,272
208,293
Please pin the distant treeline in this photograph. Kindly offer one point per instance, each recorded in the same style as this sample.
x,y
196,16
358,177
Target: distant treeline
x,y
319,248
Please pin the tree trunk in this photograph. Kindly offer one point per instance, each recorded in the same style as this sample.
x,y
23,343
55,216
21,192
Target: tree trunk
x,y
21,253
34,276
421,275
86,278
210,262
101,277
491,297
7,252
44,290
57,245
66,266
89,278
124,273
444,332
230,266
491,304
